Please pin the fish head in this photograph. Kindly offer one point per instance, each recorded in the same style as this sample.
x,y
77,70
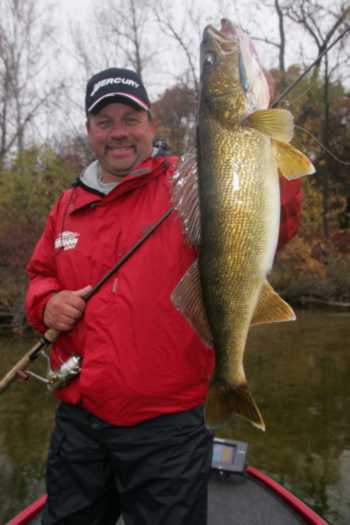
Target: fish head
x,y
233,84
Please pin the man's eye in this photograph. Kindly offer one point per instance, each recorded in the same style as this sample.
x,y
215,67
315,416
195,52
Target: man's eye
x,y
130,121
103,123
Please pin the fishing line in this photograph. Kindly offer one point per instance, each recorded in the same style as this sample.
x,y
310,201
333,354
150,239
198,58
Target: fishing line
x,y
294,84
330,153
308,69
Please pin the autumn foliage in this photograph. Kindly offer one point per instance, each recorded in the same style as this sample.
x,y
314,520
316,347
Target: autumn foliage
x,y
312,267
28,189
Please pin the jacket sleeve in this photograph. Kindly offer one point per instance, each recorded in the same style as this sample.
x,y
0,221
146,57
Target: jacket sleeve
x,y
41,271
290,210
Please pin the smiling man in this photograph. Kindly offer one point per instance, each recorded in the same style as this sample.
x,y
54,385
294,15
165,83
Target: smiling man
x,y
120,125
129,435
121,138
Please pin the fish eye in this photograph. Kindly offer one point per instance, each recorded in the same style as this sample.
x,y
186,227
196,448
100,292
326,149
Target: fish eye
x,y
209,59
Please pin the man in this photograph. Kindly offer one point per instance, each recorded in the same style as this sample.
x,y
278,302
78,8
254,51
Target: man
x,y
129,435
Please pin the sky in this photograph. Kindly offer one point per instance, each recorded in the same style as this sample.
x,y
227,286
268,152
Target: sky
x,y
167,62
248,16
75,8
81,11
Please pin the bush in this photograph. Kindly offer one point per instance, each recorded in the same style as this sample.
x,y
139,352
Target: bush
x,y
27,191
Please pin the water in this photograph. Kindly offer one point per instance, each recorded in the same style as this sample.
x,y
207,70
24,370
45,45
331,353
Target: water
x,y
299,375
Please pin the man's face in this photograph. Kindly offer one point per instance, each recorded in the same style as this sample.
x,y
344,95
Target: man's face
x,y
121,137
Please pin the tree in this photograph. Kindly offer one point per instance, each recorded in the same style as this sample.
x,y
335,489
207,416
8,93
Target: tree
x,y
176,116
276,7
183,34
323,23
27,192
120,37
315,101
25,34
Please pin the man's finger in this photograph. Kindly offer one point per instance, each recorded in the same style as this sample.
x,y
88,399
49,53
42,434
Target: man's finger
x,y
83,291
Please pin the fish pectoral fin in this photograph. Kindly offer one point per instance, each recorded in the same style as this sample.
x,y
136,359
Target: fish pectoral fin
x,y
276,123
187,298
271,308
291,162
225,401
185,197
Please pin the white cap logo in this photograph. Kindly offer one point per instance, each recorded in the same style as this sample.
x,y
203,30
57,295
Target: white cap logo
x,y
111,81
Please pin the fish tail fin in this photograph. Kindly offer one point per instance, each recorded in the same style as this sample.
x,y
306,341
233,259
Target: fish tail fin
x,y
226,401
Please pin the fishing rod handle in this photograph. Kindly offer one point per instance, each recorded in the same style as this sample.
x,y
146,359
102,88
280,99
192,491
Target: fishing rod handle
x,y
49,337
20,366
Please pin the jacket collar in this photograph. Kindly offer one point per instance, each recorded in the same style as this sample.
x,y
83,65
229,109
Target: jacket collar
x,y
141,175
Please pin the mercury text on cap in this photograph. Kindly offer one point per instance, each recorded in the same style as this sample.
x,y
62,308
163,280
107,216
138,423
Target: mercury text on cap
x,y
116,80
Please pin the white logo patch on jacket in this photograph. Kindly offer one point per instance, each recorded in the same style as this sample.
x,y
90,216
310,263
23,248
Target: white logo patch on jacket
x,y
67,240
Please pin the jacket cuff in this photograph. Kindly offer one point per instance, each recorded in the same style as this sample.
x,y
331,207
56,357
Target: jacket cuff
x,y
35,313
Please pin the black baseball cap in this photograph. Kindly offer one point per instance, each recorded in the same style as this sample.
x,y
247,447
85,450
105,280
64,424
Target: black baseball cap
x,y
113,85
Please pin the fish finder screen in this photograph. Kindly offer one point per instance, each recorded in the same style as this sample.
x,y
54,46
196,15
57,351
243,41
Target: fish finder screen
x,y
223,455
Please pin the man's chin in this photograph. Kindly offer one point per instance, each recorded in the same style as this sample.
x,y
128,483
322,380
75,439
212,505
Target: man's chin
x,y
114,173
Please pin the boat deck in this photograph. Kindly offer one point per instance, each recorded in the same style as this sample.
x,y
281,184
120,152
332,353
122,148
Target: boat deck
x,y
238,495
241,499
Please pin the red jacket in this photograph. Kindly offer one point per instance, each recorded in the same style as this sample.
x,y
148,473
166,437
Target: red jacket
x,y
140,356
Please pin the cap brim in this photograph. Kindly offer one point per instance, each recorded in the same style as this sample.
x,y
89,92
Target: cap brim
x,y
129,99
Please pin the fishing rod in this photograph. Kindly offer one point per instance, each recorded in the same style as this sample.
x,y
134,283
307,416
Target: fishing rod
x,y
308,69
71,368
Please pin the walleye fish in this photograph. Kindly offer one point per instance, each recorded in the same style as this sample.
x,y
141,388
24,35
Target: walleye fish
x,y
228,197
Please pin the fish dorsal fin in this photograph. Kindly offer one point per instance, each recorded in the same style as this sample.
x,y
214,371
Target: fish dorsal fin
x,y
291,162
187,298
271,307
276,123
184,193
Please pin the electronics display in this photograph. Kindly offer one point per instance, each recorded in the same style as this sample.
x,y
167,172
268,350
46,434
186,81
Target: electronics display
x,y
229,455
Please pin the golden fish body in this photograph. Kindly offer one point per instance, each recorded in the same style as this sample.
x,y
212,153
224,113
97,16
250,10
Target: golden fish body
x,y
240,208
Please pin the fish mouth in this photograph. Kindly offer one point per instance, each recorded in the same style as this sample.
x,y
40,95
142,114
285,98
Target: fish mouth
x,y
226,38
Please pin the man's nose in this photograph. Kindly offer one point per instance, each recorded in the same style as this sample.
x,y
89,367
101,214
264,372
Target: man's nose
x,y
118,130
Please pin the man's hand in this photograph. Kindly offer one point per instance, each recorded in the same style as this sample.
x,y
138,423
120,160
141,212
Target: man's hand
x,y
65,308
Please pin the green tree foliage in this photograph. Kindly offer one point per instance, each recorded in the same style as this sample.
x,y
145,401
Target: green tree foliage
x,y
27,191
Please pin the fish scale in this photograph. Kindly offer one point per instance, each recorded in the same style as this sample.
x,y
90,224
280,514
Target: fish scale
x,y
233,235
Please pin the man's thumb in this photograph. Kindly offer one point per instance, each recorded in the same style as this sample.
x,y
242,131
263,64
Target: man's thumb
x,y
83,292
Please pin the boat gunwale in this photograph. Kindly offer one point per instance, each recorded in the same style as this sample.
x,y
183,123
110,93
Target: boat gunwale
x,y
293,501
296,503
29,512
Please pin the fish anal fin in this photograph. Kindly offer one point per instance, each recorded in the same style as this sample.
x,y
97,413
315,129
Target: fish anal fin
x,y
276,123
225,401
271,307
187,298
291,162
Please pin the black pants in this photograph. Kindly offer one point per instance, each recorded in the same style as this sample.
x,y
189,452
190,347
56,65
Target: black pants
x,y
154,473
